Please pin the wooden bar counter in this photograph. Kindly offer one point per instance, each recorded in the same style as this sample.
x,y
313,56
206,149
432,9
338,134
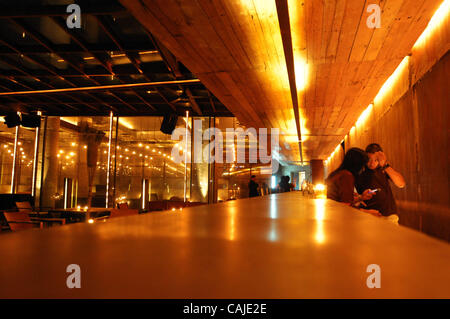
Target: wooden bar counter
x,y
276,246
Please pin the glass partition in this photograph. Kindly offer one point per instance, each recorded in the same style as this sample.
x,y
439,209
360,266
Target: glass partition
x,y
7,136
75,160
142,169
145,168
24,160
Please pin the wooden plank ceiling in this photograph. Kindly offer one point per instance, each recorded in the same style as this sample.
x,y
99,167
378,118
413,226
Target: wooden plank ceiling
x,y
235,48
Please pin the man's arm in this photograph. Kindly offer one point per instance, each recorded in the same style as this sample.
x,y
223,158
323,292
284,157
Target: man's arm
x,y
395,176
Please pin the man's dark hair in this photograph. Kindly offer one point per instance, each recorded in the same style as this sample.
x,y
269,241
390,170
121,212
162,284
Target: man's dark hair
x,y
373,148
253,176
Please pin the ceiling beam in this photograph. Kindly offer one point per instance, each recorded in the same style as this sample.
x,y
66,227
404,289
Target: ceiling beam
x,y
193,102
106,64
71,48
169,59
19,103
102,21
103,87
78,40
285,29
13,65
42,64
211,102
172,65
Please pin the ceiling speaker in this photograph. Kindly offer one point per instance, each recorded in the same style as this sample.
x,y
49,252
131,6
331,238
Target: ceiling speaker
x,y
31,120
169,123
12,120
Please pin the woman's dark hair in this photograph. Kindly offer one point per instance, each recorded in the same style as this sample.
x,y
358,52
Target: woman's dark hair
x,y
373,148
354,161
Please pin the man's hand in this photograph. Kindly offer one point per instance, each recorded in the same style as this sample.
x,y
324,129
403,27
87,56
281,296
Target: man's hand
x,y
382,160
366,195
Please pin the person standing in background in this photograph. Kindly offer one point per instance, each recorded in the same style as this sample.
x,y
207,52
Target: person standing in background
x,y
284,185
253,187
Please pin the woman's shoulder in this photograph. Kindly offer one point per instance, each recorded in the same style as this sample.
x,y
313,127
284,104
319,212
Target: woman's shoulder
x,y
344,174
340,176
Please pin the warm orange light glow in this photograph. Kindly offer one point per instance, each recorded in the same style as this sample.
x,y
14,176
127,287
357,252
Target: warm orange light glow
x,y
290,134
319,187
90,221
301,73
302,70
290,138
125,123
296,19
436,21
275,68
390,82
352,130
319,235
232,223
71,120
364,116
98,87
148,52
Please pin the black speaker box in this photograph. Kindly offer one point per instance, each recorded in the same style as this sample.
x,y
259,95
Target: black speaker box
x,y
12,120
169,123
31,120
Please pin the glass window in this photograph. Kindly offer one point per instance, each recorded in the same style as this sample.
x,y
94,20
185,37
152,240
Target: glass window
x,y
75,162
7,136
24,160
144,163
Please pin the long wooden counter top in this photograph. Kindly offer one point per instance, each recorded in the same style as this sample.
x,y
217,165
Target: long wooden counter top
x,y
276,246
